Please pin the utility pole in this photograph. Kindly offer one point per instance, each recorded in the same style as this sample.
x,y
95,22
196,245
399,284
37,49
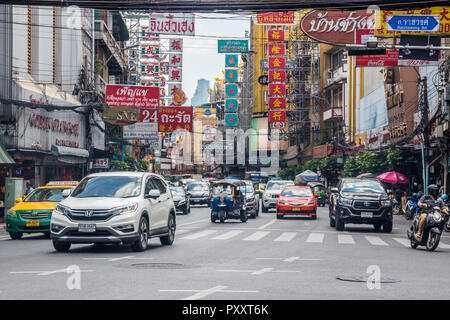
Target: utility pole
x,y
425,145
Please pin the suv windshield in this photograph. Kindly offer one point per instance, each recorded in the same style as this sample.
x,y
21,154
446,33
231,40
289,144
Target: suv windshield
x,y
197,187
362,186
108,186
297,192
277,185
46,195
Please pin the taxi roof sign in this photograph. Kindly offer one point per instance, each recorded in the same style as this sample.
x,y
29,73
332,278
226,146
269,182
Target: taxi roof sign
x,y
62,183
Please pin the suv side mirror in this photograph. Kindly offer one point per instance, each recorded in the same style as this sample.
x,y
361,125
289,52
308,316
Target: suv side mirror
x,y
66,193
153,194
334,190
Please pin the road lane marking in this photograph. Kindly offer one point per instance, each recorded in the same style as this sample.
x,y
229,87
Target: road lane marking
x,y
194,222
376,241
345,239
286,236
444,246
258,235
405,242
228,235
199,234
205,293
315,238
178,232
291,259
262,271
268,224
45,273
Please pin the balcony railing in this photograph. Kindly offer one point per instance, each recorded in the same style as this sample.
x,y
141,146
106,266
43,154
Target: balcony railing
x,y
103,33
332,113
336,75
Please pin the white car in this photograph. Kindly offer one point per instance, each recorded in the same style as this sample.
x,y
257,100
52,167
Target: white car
x,y
115,207
272,192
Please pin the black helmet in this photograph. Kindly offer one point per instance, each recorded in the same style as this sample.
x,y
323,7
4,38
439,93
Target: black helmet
x,y
433,189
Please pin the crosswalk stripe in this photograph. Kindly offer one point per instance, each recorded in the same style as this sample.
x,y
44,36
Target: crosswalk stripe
x,y
257,236
181,231
444,246
228,235
405,242
199,234
376,241
286,236
315,237
345,239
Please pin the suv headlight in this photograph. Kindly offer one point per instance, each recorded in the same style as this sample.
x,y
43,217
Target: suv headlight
x,y
60,209
127,209
347,202
11,213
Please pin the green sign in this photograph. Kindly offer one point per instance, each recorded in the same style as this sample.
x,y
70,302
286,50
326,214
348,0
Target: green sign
x,y
232,46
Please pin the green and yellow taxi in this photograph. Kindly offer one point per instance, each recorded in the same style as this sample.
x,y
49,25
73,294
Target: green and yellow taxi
x,y
32,214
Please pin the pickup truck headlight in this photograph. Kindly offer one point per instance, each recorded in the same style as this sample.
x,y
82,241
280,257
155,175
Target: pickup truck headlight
x,y
385,203
11,214
346,202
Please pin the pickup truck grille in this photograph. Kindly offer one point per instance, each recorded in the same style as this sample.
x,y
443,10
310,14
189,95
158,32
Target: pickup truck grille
x,y
360,204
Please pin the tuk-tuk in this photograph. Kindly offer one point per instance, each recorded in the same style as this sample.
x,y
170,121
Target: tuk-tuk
x,y
319,191
228,200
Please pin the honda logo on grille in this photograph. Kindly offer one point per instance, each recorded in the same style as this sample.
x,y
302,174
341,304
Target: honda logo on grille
x,y
89,213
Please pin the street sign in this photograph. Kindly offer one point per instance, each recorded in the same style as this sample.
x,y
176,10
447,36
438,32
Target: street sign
x,y
232,46
412,23
148,131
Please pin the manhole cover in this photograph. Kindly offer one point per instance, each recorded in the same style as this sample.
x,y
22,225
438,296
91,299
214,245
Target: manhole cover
x,y
159,266
365,279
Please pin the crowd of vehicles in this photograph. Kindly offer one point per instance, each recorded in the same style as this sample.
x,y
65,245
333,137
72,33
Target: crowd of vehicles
x,y
130,208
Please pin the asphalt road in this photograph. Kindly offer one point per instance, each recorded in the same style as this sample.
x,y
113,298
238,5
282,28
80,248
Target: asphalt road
x,y
263,259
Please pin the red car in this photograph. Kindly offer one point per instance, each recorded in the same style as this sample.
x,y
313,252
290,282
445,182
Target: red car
x,y
297,201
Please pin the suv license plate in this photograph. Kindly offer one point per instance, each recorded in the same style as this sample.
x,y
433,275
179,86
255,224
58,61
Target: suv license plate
x,y
366,214
86,228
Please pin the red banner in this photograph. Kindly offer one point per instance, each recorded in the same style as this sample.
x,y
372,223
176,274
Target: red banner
x,y
277,103
277,89
276,35
277,76
276,18
132,96
173,118
277,63
277,49
277,116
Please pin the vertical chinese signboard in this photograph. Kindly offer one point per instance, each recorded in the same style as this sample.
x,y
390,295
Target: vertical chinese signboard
x,y
277,76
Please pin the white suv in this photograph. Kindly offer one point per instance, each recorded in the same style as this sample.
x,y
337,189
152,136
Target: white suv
x,y
115,207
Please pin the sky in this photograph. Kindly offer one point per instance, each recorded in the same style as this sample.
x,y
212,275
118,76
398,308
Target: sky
x,y
200,57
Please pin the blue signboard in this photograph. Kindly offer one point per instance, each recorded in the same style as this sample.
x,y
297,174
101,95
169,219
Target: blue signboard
x,y
232,46
231,75
231,120
231,61
413,23
231,90
231,105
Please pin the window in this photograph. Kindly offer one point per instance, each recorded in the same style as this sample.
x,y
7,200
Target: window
x,y
161,186
336,60
150,186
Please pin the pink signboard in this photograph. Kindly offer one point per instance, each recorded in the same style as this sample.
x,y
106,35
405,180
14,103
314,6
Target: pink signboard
x,y
132,96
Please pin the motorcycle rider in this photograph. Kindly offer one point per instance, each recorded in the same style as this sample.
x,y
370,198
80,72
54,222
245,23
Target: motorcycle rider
x,y
431,200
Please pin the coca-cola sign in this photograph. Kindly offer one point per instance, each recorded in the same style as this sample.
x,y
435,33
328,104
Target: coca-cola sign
x,y
336,27
132,96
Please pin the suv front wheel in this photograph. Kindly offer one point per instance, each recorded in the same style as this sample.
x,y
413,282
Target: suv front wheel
x,y
142,242
61,246
168,240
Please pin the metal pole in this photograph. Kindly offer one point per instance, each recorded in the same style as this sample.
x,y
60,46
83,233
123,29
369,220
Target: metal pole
x,y
424,170
93,50
123,151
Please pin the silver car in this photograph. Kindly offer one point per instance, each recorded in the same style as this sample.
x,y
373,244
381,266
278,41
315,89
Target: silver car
x,y
272,192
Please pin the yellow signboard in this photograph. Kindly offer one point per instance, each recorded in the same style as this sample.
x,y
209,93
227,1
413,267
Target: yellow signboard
x,y
206,115
442,12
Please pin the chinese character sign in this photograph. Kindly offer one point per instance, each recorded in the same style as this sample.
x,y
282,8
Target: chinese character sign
x,y
231,90
175,75
231,61
175,59
277,116
231,75
176,45
277,89
231,105
277,63
277,103
277,76
174,118
276,35
172,23
276,49
231,120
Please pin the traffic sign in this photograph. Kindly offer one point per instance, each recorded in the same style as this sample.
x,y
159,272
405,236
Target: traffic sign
x,y
413,23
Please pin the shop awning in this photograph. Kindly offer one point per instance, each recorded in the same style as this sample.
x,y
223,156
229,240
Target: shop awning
x,y
70,155
5,158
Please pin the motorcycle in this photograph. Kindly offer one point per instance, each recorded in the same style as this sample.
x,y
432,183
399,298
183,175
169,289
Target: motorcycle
x,y
435,221
396,207
411,209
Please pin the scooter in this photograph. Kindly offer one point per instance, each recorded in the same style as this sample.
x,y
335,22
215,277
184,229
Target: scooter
x,y
435,221
411,209
396,207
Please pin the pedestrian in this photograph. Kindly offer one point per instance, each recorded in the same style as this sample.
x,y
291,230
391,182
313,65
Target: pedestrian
x,y
29,188
404,201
